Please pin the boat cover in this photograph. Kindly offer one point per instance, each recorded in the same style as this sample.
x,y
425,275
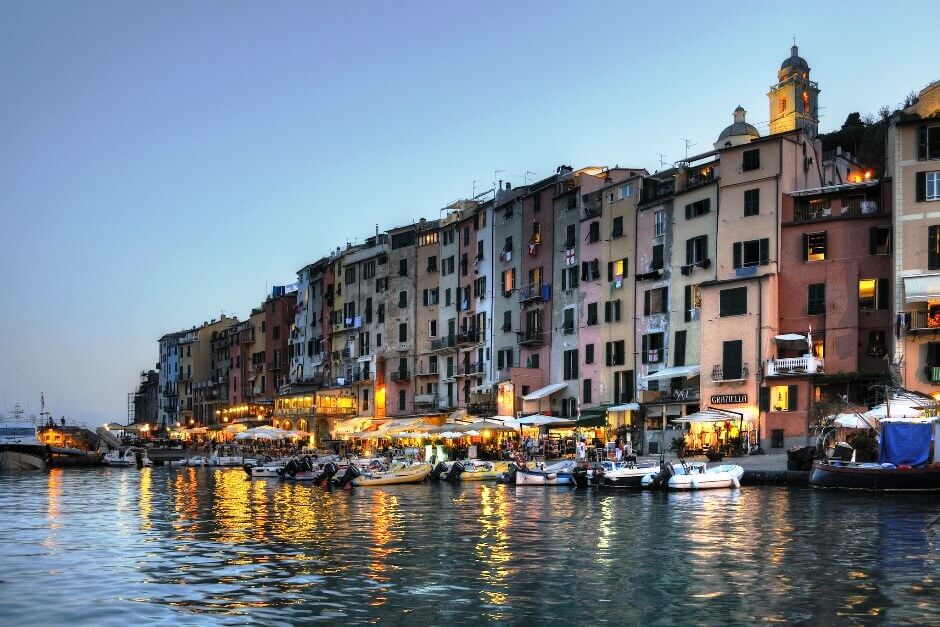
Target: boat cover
x,y
906,443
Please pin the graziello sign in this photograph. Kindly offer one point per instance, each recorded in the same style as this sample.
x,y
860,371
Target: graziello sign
x,y
729,399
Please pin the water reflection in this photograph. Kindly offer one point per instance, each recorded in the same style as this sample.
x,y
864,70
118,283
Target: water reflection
x,y
208,545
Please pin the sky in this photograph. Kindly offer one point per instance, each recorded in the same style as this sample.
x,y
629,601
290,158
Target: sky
x,y
164,162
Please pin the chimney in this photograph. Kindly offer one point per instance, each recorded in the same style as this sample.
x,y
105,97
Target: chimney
x,y
508,186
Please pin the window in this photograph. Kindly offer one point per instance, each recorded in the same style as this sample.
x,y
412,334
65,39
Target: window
x,y
466,236
571,364
449,236
276,333
616,270
507,247
432,328
569,278
536,232
402,267
431,297
816,299
877,345
350,275
615,353
655,301
568,321
696,250
879,240
927,186
933,247
380,313
732,302
612,311
873,294
659,223
590,270
368,311
678,353
591,314
693,301
427,238
381,284
507,320
447,265
626,190
480,250
589,353
928,142
402,300
401,400
697,208
365,399
586,392
653,349
618,227
432,263
751,160
368,270
783,398
532,362
731,366
751,202
594,232
403,332
814,246
657,262
755,252
464,264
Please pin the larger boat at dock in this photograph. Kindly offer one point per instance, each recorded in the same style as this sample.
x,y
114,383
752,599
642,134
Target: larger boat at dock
x,y
20,448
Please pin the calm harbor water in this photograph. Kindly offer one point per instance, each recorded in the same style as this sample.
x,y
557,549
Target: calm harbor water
x,y
169,545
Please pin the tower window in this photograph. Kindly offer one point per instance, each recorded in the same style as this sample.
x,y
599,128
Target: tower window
x,y
783,105
805,102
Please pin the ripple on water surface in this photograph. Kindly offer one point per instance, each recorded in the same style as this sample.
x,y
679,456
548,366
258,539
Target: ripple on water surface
x,y
202,545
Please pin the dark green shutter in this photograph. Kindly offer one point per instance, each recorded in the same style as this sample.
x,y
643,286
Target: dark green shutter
x,y
763,403
922,143
610,270
688,211
738,254
607,311
644,355
679,350
792,402
646,303
805,246
688,302
764,251
883,293
609,351
920,195
688,252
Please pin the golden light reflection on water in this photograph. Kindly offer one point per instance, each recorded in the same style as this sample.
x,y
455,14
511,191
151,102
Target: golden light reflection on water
x,y
493,546
383,512
53,505
186,500
231,507
145,501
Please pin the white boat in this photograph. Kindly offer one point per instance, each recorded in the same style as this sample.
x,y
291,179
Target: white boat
x,y
561,473
694,476
131,456
624,475
226,460
20,449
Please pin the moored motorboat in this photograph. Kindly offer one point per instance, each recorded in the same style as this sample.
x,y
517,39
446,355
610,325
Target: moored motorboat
x,y
20,449
407,474
625,475
561,473
694,476
131,456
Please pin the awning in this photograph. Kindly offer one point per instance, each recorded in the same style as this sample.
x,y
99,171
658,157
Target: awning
x,y
675,371
593,418
540,420
625,407
708,415
920,289
548,390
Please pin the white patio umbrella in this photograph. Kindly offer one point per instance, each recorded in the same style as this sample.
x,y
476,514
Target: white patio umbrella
x,y
897,409
854,421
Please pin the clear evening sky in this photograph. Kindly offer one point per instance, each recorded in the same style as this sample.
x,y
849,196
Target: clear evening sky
x,y
164,162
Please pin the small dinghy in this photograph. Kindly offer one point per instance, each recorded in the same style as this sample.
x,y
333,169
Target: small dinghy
x,y
407,474
694,476
131,456
625,475
475,470
561,473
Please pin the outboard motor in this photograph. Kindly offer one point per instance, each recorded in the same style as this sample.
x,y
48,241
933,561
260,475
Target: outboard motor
x,y
437,471
345,482
139,459
289,470
661,480
456,469
580,476
510,475
329,471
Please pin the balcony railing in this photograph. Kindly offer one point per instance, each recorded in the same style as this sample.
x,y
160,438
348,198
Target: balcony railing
x,y
923,321
469,336
424,399
424,371
534,293
699,176
531,337
446,404
848,208
448,342
720,373
794,365
401,375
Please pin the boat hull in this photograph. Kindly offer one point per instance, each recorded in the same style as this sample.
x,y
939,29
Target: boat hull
x,y
626,480
874,478
540,477
17,457
398,477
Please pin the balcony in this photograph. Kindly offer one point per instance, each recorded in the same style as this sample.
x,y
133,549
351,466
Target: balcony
x,y
539,292
425,371
424,399
445,344
720,373
919,321
794,366
447,405
846,208
467,336
531,337
699,176
401,375
246,336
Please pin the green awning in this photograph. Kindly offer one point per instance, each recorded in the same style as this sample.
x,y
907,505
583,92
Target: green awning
x,y
593,418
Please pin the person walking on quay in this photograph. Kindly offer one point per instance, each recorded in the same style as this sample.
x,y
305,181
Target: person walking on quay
x,y
581,450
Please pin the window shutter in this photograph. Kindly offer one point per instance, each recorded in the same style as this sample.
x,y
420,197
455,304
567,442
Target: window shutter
x,y
646,303
763,404
644,353
586,396
805,246
920,194
617,310
792,401
933,250
609,351
607,311
687,302
610,270
688,252
574,364
688,211
679,350
737,254
872,240
764,251
584,271
664,303
883,293
922,143
707,205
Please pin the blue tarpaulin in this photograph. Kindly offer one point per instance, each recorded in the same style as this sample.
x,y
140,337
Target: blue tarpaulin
x,y
905,443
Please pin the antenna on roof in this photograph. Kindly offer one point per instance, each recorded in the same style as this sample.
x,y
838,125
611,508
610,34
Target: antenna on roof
x,y
474,194
496,176
525,177
688,144
662,160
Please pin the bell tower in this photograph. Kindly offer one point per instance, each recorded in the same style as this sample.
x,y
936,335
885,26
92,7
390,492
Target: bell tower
x,y
794,100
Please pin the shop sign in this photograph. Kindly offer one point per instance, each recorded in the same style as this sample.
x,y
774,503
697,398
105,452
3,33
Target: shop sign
x,y
729,399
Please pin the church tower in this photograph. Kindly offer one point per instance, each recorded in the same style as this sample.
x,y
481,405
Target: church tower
x,y
794,100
